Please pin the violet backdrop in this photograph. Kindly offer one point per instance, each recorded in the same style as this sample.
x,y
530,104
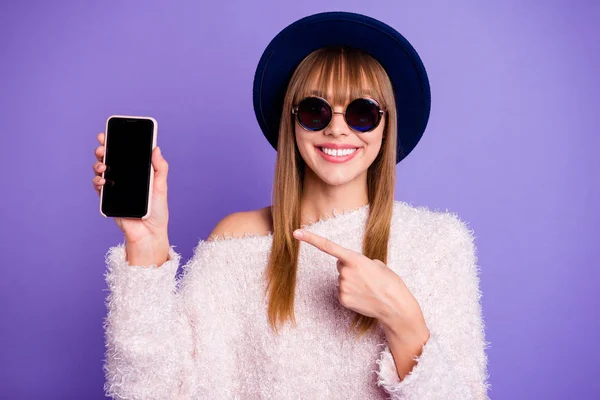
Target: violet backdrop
x,y
511,146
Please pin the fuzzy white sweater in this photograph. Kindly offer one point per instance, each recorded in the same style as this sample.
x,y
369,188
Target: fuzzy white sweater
x,y
204,334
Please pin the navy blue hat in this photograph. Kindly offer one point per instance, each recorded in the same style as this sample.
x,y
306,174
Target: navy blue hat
x,y
397,56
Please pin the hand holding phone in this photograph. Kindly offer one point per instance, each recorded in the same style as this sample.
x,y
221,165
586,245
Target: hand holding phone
x,y
152,227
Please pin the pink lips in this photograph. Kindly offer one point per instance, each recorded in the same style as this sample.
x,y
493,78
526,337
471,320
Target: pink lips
x,y
336,159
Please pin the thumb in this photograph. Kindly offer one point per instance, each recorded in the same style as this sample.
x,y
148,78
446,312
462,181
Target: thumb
x,y
161,169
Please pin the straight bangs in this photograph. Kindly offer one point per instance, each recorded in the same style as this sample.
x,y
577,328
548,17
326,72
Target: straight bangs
x,y
340,75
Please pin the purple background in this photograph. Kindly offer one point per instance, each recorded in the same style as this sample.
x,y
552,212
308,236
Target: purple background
x,y
511,146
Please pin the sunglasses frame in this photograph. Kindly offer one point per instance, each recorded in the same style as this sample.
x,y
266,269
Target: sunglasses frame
x,y
381,112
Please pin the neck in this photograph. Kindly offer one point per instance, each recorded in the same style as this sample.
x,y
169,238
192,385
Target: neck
x,y
320,199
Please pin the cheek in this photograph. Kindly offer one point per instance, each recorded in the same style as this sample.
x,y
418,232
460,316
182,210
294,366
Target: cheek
x,y
304,142
374,143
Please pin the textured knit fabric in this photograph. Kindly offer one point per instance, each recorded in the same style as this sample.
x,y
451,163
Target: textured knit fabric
x,y
204,334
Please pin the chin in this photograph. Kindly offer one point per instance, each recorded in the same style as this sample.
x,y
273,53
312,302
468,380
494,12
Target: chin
x,y
336,175
335,182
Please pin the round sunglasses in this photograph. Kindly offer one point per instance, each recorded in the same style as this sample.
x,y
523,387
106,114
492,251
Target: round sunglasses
x,y
315,113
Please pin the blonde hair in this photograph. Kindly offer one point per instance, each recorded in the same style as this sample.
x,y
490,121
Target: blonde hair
x,y
352,73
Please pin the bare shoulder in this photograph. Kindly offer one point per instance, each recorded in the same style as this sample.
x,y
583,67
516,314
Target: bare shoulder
x,y
238,224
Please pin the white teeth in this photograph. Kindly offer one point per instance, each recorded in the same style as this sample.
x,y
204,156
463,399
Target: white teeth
x,y
337,153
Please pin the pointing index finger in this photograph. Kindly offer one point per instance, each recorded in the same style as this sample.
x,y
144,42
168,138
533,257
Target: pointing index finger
x,y
325,245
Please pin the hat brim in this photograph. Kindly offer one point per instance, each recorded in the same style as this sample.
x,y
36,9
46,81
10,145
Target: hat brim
x,y
397,56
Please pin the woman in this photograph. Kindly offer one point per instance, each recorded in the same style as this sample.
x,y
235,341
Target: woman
x,y
382,298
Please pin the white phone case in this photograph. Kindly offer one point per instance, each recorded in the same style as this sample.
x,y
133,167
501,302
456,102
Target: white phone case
x,y
150,187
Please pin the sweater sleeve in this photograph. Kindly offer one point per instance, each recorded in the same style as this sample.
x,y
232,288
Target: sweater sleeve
x,y
452,363
149,342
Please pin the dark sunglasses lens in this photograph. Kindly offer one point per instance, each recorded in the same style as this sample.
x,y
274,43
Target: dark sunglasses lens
x,y
314,114
362,115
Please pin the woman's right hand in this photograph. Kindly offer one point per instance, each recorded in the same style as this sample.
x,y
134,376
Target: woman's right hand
x,y
154,229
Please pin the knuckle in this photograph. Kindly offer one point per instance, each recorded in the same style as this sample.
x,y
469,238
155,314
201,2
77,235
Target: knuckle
x,y
357,258
343,288
343,297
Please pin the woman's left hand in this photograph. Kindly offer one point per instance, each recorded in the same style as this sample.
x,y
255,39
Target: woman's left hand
x,y
370,288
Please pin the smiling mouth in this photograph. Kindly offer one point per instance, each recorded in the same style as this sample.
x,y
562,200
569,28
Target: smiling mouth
x,y
338,155
338,152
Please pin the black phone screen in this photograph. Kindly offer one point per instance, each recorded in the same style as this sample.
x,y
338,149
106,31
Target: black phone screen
x,y
129,162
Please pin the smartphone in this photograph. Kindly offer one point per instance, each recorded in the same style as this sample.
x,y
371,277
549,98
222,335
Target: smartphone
x,y
129,175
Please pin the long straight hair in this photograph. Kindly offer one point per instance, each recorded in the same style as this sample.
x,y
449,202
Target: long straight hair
x,y
352,73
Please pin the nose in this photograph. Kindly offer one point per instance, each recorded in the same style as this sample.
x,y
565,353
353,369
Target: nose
x,y
338,125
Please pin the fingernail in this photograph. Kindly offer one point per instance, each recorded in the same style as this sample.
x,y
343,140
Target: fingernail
x,y
297,233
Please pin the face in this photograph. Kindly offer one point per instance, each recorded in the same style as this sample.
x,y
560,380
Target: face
x,y
334,169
